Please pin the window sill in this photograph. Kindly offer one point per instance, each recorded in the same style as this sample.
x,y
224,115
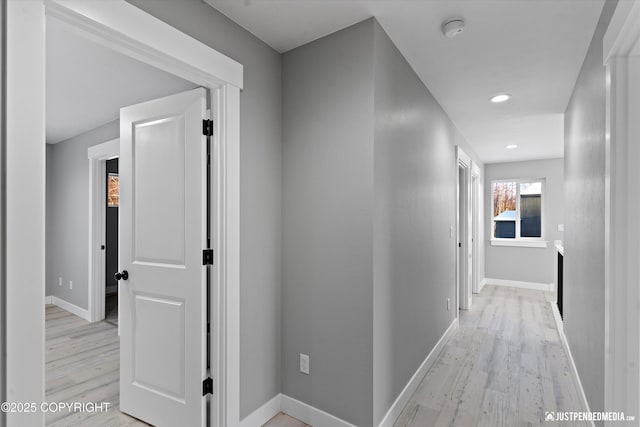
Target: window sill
x,y
519,243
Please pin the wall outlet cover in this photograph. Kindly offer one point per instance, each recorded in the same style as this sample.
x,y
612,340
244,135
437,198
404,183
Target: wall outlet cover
x,y
304,363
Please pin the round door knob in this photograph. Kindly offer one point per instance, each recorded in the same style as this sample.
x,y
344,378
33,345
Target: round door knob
x,y
122,276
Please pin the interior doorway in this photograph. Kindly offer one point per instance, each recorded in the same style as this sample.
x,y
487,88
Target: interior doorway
x,y
112,203
464,251
475,228
128,30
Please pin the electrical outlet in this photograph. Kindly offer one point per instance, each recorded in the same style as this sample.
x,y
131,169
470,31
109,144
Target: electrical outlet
x,y
70,284
560,227
59,281
304,363
448,304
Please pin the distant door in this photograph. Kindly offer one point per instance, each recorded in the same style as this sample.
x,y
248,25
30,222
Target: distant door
x,y
162,234
462,244
111,226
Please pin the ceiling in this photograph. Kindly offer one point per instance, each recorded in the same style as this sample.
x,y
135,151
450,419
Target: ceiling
x,y
532,49
87,83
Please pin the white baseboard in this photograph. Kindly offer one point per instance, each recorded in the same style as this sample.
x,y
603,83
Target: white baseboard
x,y
572,364
47,300
518,284
318,418
481,285
401,401
310,415
263,414
71,308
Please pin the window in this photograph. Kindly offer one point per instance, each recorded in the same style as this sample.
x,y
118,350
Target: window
x,y
517,212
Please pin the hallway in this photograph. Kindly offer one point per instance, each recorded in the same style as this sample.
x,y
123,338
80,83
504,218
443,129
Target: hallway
x,y
505,366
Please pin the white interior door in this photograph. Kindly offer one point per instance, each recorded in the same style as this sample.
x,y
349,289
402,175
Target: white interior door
x,y
162,235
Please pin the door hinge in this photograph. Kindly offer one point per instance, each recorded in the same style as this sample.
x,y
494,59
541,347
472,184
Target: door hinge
x,y
207,127
207,257
207,386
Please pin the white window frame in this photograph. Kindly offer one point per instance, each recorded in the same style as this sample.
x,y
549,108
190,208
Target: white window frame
x,y
518,241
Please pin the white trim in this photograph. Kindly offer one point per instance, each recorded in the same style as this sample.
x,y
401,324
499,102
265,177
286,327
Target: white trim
x,y
464,290
476,197
97,156
482,283
559,247
519,284
133,32
403,398
105,150
623,33
621,56
71,308
264,413
310,415
126,29
572,364
519,243
48,300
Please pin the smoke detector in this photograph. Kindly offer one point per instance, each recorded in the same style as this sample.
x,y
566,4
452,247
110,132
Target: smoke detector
x,y
452,27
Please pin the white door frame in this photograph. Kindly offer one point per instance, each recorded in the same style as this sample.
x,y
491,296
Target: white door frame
x,y
98,155
621,50
475,226
463,292
131,31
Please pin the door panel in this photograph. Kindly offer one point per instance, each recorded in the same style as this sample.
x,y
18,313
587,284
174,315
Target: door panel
x,y
158,190
163,232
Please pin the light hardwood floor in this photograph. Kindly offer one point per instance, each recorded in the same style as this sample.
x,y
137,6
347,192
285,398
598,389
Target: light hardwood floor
x,y
83,365
505,366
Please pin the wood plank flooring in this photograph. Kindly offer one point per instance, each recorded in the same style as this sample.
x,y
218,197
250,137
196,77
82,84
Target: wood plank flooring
x,y
82,365
505,366
284,420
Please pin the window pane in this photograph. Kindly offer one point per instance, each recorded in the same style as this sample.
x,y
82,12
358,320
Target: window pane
x,y
504,210
530,209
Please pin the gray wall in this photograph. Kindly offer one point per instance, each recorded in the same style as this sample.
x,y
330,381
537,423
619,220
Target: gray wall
x,y
328,222
260,186
584,218
369,196
518,263
67,207
415,202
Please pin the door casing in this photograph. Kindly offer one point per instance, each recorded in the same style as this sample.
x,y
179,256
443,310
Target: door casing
x,y
463,227
131,31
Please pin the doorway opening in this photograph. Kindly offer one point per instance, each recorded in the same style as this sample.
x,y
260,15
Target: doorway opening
x,y
129,30
464,250
112,202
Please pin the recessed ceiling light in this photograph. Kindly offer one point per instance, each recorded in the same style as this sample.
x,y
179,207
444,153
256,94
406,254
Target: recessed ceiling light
x,y
512,146
500,98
